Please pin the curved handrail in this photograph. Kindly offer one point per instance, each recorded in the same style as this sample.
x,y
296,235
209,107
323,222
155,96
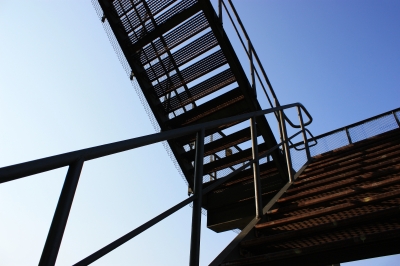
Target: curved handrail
x,y
302,143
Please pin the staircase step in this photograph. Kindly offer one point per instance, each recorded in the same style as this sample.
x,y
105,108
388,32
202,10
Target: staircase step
x,y
360,164
222,143
370,144
339,223
198,91
349,180
162,24
132,20
190,73
182,56
348,191
172,39
234,159
228,104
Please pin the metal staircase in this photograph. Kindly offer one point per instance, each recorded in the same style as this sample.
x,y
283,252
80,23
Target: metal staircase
x,y
189,73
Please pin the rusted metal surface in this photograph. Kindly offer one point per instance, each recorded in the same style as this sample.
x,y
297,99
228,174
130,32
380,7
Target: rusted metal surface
x,y
345,206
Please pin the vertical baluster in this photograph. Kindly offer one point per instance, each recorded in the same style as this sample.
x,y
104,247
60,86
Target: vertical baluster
x,y
396,118
220,11
348,136
286,146
304,133
256,169
60,218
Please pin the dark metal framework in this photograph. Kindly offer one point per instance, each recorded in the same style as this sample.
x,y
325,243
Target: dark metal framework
x,y
76,159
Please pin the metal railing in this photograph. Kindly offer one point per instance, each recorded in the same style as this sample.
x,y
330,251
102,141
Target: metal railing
x,y
353,133
76,159
256,67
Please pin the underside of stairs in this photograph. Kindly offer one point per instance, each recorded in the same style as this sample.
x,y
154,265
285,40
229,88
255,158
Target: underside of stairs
x,y
189,73
344,206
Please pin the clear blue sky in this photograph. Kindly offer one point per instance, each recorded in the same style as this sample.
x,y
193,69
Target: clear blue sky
x,y
62,88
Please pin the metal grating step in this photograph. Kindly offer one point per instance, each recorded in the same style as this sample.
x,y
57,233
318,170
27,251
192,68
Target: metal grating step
x,y
133,16
199,91
198,69
222,144
233,159
151,24
229,102
173,38
182,56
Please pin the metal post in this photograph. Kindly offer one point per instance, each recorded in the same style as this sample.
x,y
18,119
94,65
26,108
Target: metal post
x,y
304,134
348,136
256,169
196,214
277,114
285,145
60,218
253,80
220,11
396,118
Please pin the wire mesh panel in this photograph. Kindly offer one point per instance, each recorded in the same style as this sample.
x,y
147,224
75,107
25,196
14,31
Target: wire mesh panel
x,y
330,142
397,114
373,128
357,132
299,158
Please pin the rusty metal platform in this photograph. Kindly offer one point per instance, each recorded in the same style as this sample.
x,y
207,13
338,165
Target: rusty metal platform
x,y
345,206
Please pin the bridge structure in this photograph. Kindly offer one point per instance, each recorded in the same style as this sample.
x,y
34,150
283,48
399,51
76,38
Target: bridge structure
x,y
208,110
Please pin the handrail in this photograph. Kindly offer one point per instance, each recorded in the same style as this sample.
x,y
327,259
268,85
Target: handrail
x,y
249,52
294,146
16,171
76,159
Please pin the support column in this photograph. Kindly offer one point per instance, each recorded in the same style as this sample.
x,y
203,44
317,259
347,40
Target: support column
x,y
60,218
196,214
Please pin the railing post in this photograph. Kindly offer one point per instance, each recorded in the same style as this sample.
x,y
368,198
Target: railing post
x,y
256,169
253,80
196,214
220,11
60,218
286,146
277,114
396,118
307,148
348,136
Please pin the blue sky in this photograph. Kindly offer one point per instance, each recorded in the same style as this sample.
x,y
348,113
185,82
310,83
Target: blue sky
x,y
62,88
